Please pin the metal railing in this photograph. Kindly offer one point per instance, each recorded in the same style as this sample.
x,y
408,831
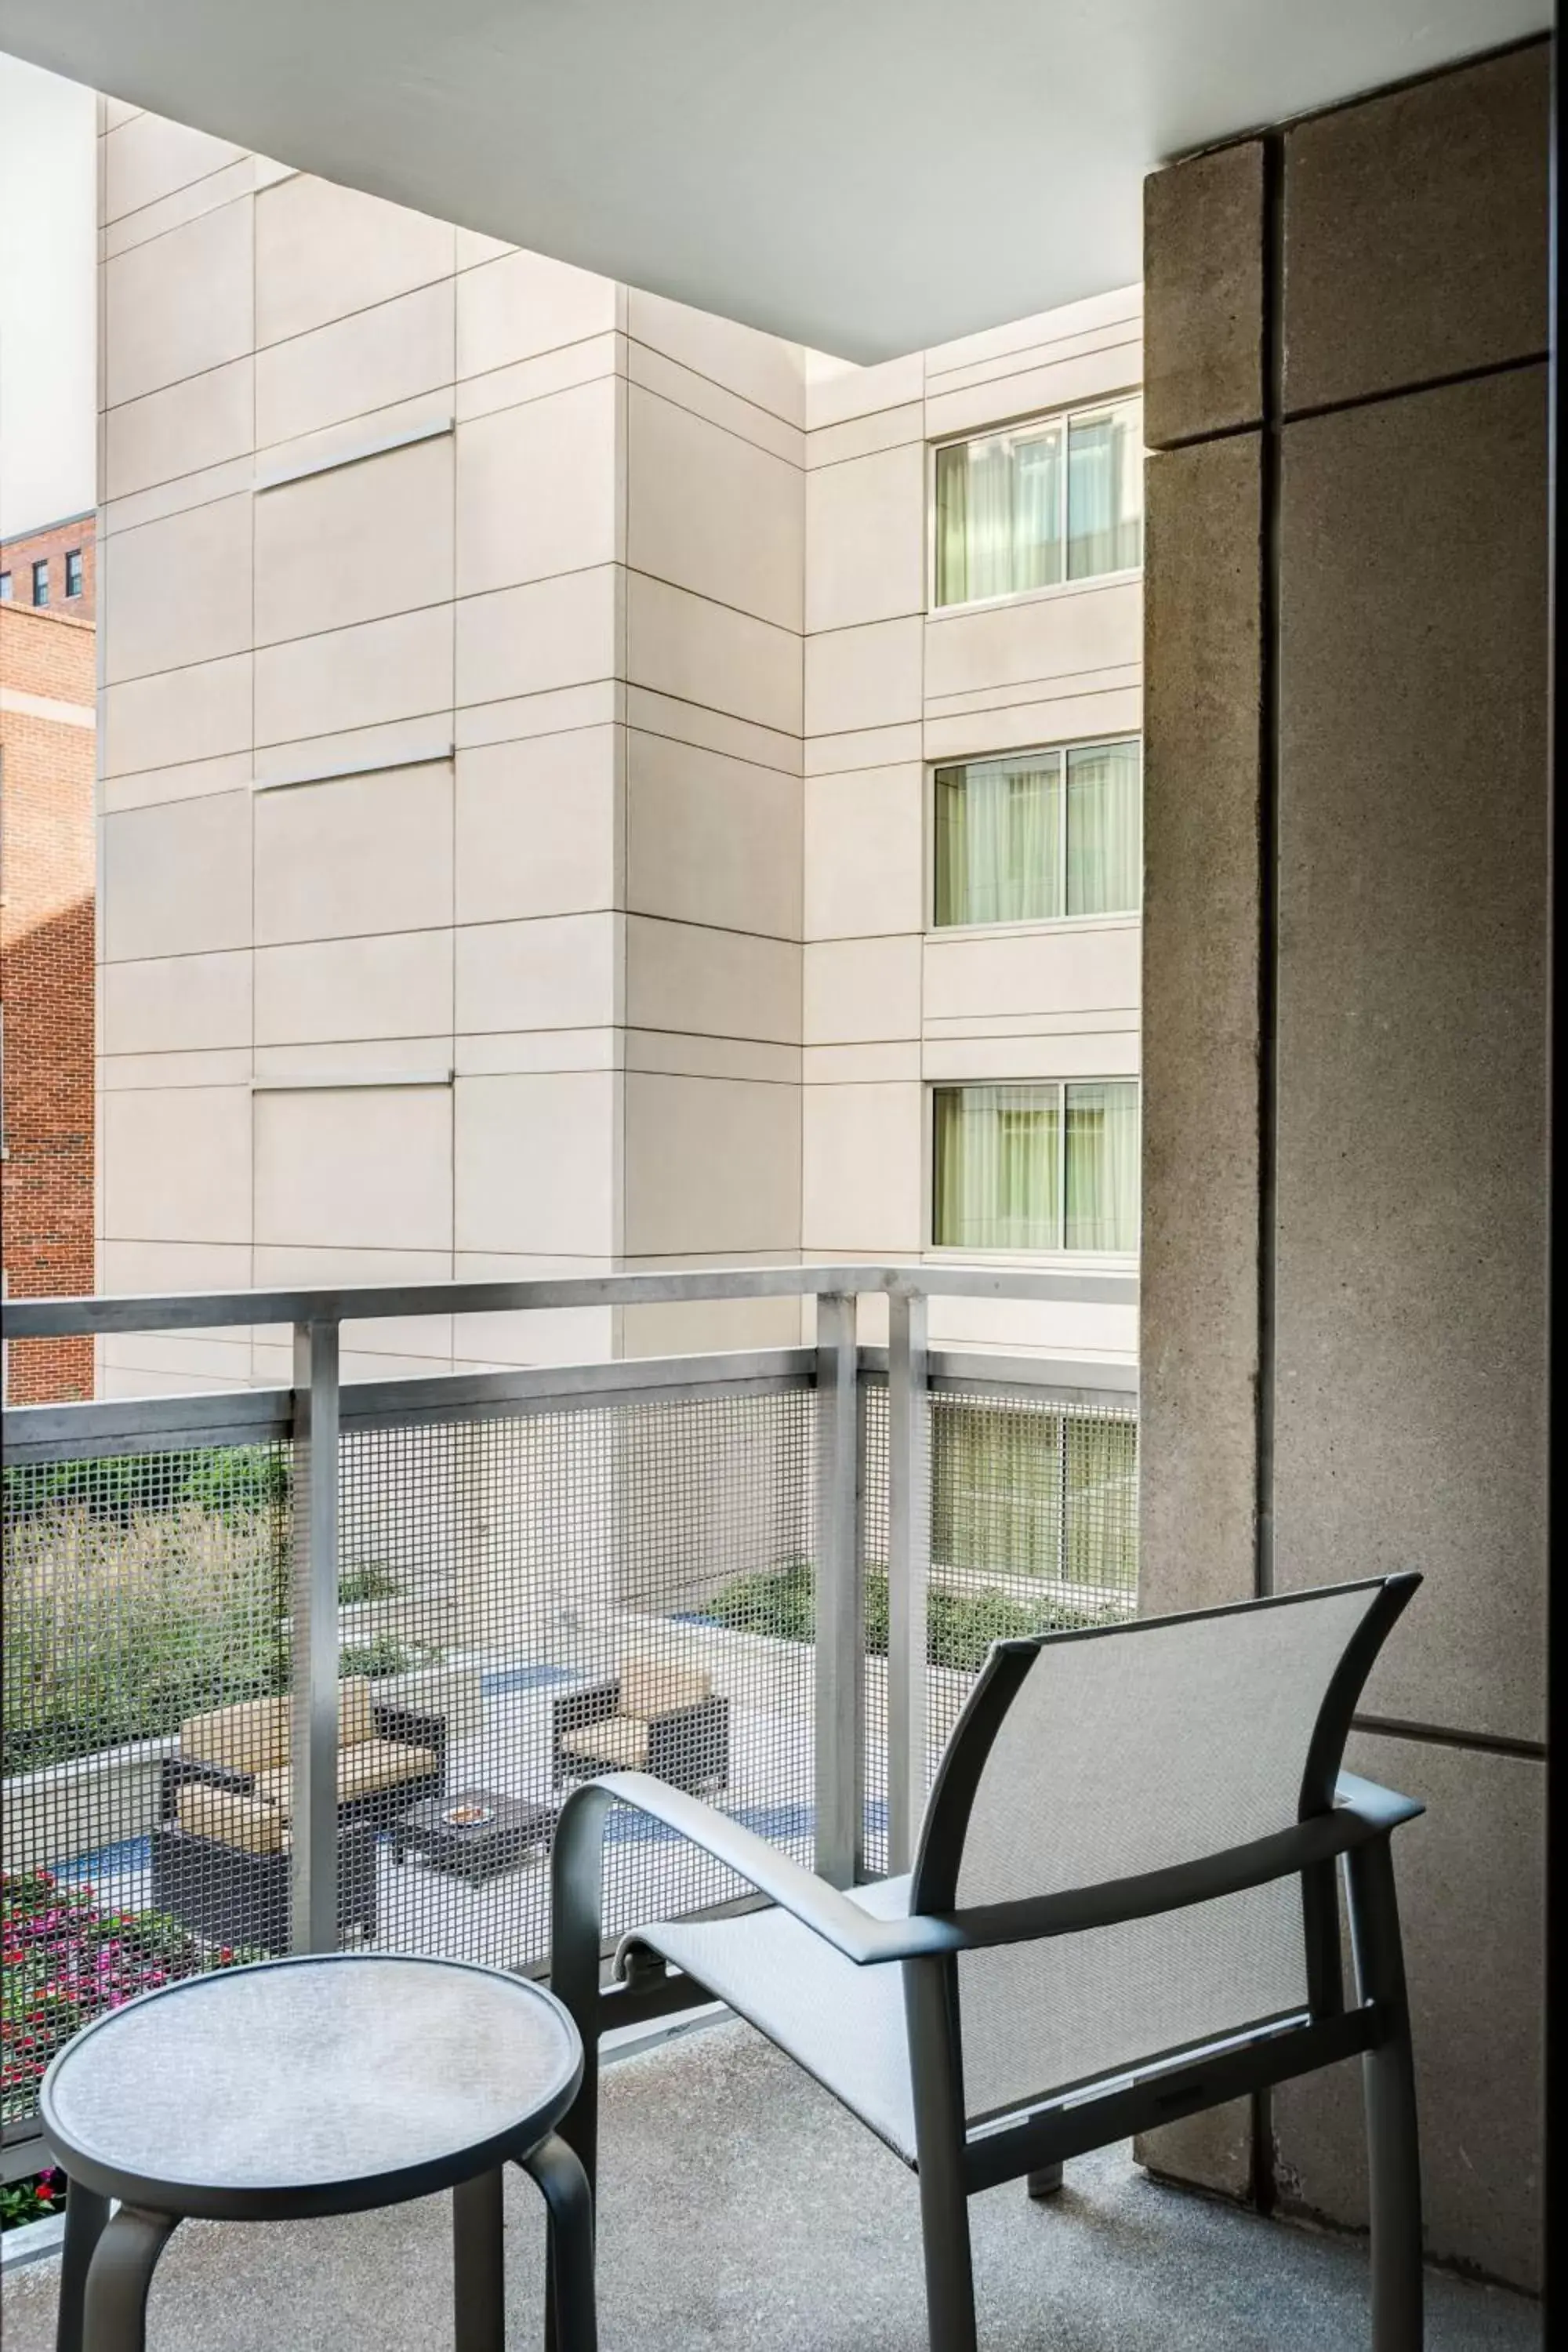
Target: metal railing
x,y
262,1644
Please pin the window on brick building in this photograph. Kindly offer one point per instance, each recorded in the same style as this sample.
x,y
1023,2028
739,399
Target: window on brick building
x,y
5,587
73,572
41,581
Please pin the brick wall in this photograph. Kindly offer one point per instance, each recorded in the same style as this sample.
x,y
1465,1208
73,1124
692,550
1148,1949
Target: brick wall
x,y
17,556
47,883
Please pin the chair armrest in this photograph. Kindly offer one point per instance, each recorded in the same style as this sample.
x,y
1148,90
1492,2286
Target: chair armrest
x,y
807,1898
1380,1808
1363,1814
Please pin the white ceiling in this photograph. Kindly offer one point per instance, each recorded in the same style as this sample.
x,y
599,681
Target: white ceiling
x,y
865,177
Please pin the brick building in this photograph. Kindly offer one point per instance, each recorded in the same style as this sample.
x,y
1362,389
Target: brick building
x,y
54,570
47,865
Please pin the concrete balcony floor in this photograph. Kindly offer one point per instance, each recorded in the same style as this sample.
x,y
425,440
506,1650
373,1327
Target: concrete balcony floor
x,y
741,2207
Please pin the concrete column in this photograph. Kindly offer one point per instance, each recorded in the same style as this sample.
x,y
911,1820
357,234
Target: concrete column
x,y
1345,1024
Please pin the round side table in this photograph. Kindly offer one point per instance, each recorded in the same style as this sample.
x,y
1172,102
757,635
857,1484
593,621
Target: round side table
x,y
309,2087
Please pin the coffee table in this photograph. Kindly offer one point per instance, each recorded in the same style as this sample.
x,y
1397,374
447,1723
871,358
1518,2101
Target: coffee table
x,y
308,2086
510,1828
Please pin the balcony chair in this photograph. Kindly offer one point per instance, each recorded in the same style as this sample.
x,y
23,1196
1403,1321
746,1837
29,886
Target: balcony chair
x,y
221,1851
1123,1909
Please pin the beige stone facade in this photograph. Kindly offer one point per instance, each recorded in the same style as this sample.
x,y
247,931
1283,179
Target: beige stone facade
x,y
520,695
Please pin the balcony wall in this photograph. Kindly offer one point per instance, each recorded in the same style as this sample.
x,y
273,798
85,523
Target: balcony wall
x,y
1343,1320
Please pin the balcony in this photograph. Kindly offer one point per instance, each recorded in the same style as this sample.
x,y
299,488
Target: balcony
x,y
779,1570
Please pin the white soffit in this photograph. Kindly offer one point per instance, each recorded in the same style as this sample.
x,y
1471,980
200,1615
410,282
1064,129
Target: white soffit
x,y
864,176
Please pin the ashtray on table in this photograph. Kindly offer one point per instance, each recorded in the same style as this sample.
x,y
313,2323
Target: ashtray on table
x,y
467,1816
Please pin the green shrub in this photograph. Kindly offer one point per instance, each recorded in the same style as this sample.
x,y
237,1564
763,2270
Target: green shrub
x,y
237,1481
369,1580
119,1629
960,1625
382,1656
779,1602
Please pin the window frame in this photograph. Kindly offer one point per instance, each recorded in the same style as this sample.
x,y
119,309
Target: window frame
x,y
1065,417
8,588
41,572
1116,919
74,555
1058,1257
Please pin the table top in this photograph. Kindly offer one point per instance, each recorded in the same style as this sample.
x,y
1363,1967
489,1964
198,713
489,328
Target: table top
x,y
506,1813
311,2086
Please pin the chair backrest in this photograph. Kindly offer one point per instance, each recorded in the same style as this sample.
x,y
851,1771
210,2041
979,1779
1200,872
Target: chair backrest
x,y
1084,1758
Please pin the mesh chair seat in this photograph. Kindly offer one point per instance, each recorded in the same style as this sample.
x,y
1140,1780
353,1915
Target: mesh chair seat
x,y
845,2025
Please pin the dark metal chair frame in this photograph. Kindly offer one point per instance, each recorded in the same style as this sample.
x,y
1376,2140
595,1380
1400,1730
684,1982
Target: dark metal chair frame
x,y
1343,1819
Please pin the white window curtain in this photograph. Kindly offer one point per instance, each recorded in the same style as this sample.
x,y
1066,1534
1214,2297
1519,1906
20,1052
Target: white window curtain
x,y
1104,828
998,1167
1101,1166
1105,491
998,844
1037,1166
1036,511
1020,841
974,521
1024,509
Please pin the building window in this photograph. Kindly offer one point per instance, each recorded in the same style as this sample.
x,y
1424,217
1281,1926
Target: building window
x,y
1040,835
73,572
1059,499
5,587
1046,1167
41,581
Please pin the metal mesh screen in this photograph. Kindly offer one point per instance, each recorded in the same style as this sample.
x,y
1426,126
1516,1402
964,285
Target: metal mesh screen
x,y
533,1598
873,1408
1034,1528
1034,1518
523,1599
140,1593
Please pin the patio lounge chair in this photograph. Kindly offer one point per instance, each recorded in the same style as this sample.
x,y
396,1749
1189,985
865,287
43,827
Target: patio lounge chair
x,y
1123,1909
220,1853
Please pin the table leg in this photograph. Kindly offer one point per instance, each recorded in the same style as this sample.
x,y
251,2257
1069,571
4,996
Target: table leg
x,y
119,2276
572,2325
478,2272
85,2214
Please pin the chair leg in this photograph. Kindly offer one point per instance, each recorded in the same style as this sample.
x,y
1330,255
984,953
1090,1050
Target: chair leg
x,y
931,2015
87,2214
564,2183
119,2275
950,2274
478,2271
1393,2143
1044,2181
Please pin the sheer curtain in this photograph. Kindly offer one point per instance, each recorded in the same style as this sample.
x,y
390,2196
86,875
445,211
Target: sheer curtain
x,y
998,840
1104,818
974,521
1103,1166
1036,510
1105,491
998,1167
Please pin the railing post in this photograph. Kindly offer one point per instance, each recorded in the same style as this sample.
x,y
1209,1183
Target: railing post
x,y
840,1610
909,1574
313,1641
